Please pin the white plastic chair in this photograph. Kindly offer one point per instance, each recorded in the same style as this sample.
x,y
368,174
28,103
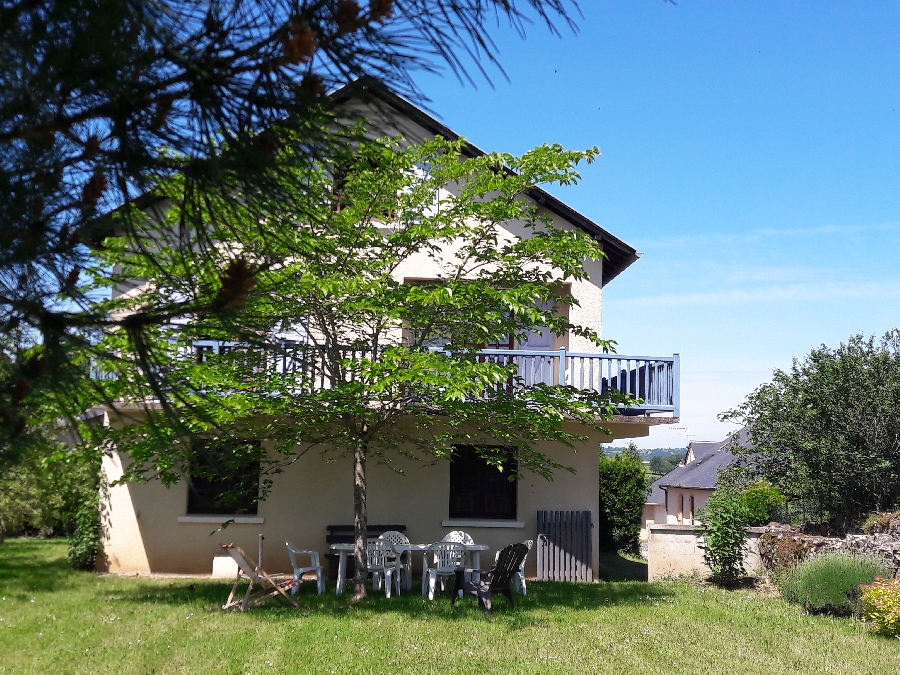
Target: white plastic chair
x,y
459,537
393,537
519,578
446,556
300,570
380,567
463,538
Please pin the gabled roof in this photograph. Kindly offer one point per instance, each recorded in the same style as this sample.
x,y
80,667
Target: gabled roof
x,y
706,459
619,254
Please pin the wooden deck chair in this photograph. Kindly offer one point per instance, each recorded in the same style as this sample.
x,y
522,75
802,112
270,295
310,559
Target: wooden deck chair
x,y
267,586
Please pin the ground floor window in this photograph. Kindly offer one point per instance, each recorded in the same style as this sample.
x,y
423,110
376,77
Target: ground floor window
x,y
224,478
478,488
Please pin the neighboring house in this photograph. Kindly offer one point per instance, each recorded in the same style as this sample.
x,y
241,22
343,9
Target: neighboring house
x,y
675,499
154,528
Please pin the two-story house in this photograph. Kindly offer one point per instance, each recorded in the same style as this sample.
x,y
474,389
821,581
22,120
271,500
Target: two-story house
x,y
154,528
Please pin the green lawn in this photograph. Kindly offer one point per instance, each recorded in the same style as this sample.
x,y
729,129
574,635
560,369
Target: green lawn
x,y
56,621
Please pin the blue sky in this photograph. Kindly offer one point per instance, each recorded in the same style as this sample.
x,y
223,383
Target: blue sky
x,y
751,151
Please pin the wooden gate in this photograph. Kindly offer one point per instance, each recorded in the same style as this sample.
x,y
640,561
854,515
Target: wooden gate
x,y
564,546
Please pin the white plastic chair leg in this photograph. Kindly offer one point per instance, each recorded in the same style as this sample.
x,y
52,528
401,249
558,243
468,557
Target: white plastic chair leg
x,y
320,581
388,581
432,582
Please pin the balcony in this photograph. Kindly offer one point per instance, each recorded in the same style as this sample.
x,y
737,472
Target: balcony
x,y
653,379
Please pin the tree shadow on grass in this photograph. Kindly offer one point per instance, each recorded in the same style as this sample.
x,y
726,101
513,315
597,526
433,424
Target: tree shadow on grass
x,y
555,596
29,566
613,567
33,565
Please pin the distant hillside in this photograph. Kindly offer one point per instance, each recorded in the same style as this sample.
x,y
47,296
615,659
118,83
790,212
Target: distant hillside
x,y
658,461
647,453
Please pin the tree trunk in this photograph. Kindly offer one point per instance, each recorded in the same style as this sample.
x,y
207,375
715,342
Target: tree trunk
x,y
360,525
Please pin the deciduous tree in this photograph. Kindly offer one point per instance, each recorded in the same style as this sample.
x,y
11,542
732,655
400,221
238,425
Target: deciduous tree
x,y
386,366
623,491
827,430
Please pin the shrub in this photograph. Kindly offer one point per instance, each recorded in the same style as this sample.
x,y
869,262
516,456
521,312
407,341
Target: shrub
x,y
724,533
761,500
86,541
42,494
829,582
779,553
880,602
877,523
55,491
623,491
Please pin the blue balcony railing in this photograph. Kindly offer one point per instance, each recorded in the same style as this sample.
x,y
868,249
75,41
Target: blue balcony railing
x,y
653,379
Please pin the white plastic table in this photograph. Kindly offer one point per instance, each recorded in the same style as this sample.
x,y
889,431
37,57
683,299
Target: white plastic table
x,y
344,549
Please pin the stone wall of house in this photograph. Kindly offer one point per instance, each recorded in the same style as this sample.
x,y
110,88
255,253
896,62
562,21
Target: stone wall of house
x,y
674,550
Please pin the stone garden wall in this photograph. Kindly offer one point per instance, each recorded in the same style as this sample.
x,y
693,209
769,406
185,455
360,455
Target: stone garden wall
x,y
781,544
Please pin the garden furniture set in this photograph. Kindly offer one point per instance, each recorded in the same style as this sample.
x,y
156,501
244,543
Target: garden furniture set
x,y
389,561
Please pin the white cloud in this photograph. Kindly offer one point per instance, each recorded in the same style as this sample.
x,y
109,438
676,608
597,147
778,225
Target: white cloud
x,y
768,234
805,292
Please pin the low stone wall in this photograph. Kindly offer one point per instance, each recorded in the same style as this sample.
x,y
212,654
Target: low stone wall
x,y
674,550
791,544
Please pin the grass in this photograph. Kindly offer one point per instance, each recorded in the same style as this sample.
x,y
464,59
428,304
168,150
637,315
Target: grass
x,y
56,621
622,566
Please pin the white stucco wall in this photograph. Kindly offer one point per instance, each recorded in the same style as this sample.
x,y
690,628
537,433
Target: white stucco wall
x,y
148,532
150,529
676,497
653,514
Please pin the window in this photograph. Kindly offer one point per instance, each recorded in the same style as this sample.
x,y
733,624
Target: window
x,y
478,489
224,478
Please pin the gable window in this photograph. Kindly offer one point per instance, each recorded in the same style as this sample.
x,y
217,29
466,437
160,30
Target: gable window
x,y
224,479
479,489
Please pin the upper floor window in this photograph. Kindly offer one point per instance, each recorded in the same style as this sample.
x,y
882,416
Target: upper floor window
x,y
217,486
479,489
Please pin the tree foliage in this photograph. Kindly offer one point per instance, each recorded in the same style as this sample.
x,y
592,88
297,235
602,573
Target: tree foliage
x,y
827,431
761,499
723,528
623,491
53,490
366,380
101,100
663,465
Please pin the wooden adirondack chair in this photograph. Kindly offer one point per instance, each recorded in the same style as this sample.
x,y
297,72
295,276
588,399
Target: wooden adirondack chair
x,y
495,580
267,586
